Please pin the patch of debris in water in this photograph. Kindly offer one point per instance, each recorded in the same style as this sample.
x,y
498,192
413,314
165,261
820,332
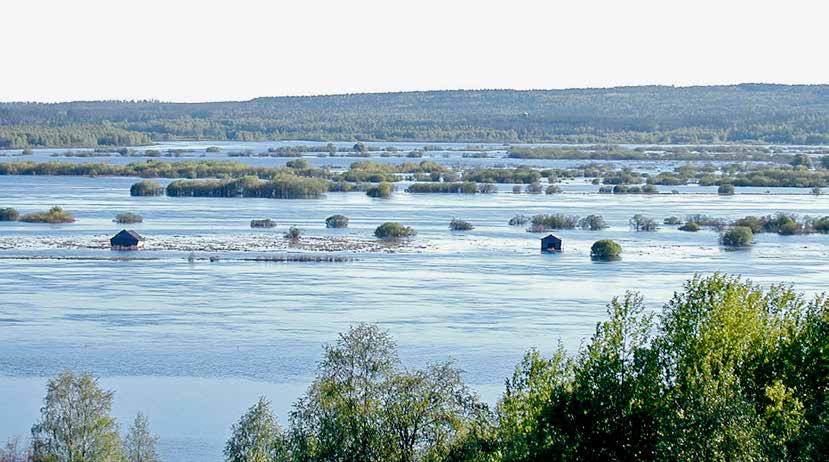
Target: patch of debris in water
x,y
220,243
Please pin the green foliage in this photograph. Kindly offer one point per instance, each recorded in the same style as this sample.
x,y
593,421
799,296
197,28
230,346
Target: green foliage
x,y
75,423
283,186
737,236
140,443
8,214
266,223
640,222
213,149
605,249
534,188
257,437
336,221
519,220
542,223
553,189
673,220
293,233
146,188
54,215
593,223
466,187
647,114
725,189
390,230
460,225
128,218
363,407
690,227
382,190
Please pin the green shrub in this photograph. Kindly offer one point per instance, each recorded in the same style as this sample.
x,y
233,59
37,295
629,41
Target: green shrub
x,y
690,227
487,188
293,233
821,225
54,215
672,221
726,189
266,223
382,190
466,187
128,218
553,189
146,188
737,236
640,222
541,223
336,221
460,225
593,223
8,214
282,186
534,188
519,220
605,249
213,149
390,230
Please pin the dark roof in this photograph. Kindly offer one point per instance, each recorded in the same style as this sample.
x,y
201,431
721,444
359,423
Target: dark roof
x,y
125,237
551,237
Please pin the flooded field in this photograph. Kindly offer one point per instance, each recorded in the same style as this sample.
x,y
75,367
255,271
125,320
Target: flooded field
x,y
192,342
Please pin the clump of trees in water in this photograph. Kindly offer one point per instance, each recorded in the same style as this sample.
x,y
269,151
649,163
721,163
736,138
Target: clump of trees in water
x,y
544,222
605,249
9,214
55,215
293,233
128,218
593,223
784,224
282,186
146,188
382,190
391,230
336,221
737,236
467,187
456,224
641,222
264,223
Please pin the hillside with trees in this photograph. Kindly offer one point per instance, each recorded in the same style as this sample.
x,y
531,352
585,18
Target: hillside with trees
x,y
747,113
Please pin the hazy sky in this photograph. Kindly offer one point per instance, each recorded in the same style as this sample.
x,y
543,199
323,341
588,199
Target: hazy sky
x,y
202,50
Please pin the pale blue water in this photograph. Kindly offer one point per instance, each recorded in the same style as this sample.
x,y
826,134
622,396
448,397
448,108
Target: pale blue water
x,y
193,344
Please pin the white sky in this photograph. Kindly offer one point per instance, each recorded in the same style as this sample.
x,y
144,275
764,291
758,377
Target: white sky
x,y
181,50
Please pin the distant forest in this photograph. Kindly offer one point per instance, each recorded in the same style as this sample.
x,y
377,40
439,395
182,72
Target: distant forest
x,y
747,113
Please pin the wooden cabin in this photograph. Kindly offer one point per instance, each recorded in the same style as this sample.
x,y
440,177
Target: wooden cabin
x,y
550,243
127,240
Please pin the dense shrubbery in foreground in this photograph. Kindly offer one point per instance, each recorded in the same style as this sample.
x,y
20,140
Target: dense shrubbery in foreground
x,y
727,371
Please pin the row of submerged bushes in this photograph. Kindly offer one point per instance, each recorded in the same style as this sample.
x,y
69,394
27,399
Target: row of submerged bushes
x,y
283,186
54,215
726,370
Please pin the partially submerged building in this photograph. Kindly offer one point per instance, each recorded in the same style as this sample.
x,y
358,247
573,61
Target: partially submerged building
x,y
550,243
127,240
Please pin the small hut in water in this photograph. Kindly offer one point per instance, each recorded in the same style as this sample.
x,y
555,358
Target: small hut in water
x,y
127,240
550,243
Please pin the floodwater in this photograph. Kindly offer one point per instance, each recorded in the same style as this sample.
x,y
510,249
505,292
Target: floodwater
x,y
193,344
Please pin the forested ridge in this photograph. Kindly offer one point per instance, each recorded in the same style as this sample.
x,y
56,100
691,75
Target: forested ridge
x,y
746,113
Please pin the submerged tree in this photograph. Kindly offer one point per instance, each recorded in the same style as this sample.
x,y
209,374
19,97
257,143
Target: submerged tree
x,y
75,423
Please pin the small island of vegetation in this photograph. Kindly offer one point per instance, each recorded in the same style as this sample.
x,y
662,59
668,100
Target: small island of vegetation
x,y
55,215
605,249
391,230
128,218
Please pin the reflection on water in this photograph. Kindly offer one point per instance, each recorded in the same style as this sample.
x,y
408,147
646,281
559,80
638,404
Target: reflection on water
x,y
193,344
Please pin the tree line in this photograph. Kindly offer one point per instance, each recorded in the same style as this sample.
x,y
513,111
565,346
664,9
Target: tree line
x,y
797,114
